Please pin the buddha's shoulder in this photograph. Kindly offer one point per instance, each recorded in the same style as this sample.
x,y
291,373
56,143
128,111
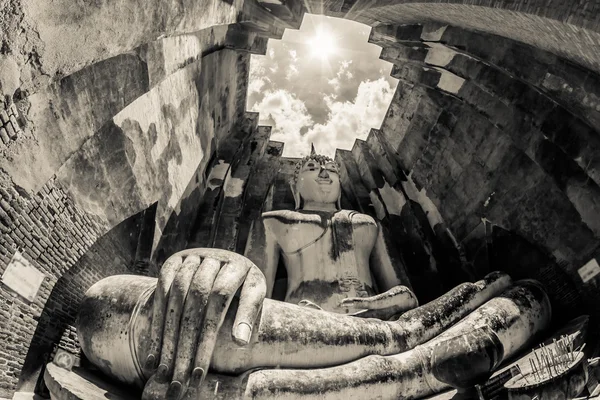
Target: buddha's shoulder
x,y
294,217
356,217
290,217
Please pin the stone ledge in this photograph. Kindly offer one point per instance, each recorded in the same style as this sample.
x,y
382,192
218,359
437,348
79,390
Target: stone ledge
x,y
80,384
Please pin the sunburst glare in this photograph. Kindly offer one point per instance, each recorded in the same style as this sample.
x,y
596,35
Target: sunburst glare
x,y
322,44
323,83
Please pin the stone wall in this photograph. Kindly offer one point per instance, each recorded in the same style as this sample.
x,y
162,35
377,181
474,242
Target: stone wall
x,y
148,146
129,123
497,145
52,233
110,132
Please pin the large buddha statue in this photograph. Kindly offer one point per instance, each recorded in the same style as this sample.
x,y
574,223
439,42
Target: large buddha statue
x,y
336,260
207,328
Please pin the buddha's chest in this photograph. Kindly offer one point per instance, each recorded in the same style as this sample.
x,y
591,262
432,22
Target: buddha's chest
x,y
335,253
329,238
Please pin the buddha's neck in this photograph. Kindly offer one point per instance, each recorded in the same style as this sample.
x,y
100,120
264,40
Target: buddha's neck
x,y
312,206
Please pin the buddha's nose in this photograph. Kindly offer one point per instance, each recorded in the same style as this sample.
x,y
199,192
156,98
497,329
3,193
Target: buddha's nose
x,y
323,173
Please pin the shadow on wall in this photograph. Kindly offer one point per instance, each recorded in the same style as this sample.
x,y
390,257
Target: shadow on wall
x,y
114,253
177,231
499,249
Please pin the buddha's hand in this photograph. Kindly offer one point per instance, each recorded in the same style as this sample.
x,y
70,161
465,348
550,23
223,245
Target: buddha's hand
x,y
309,304
383,306
194,292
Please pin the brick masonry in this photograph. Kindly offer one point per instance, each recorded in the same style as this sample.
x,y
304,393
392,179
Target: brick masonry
x,y
9,127
51,232
563,28
501,148
462,158
63,229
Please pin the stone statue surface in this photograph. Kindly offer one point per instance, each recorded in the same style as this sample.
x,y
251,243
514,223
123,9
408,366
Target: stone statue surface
x,y
335,259
166,335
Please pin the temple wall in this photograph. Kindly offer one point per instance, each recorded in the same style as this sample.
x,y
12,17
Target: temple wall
x,y
152,150
557,25
58,39
490,166
113,123
125,139
113,253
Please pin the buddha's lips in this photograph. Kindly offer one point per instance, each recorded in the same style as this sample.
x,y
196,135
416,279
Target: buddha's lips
x,y
323,181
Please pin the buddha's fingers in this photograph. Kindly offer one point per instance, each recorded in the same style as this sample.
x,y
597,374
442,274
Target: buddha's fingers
x,y
309,304
154,390
399,297
383,314
228,281
253,293
191,320
177,296
167,274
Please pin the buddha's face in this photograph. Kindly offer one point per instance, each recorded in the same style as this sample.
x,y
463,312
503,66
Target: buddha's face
x,y
319,183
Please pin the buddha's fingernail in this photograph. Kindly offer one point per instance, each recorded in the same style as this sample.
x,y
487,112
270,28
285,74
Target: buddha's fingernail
x,y
161,372
243,332
150,362
175,389
197,375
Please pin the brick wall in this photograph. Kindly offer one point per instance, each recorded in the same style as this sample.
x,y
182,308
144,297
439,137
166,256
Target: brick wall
x,y
61,228
52,233
114,253
9,127
562,28
499,147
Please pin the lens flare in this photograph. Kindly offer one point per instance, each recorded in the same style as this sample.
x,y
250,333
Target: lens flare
x,y
322,44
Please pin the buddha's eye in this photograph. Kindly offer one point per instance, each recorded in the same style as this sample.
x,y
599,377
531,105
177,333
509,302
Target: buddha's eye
x,y
331,167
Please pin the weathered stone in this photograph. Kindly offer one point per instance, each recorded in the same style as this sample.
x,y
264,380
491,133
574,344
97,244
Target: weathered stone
x,y
4,136
12,133
4,116
531,91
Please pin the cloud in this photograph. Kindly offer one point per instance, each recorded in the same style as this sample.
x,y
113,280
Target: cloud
x,y
285,113
259,80
291,72
350,120
255,85
343,74
329,103
335,82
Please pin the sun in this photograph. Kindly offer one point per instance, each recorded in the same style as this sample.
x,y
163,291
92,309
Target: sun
x,y
322,44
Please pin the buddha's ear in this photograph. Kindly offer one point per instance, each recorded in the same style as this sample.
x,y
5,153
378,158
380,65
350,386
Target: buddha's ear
x,y
297,197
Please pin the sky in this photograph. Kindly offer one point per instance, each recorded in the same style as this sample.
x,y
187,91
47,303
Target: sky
x,y
321,84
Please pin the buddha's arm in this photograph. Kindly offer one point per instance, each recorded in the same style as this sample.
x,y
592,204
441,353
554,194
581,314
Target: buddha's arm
x,y
505,324
262,249
296,337
289,336
395,292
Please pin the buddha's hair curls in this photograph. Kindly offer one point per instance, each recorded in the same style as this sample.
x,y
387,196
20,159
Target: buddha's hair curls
x,y
321,159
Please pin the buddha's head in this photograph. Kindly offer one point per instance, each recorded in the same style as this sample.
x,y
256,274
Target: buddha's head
x,y
316,181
